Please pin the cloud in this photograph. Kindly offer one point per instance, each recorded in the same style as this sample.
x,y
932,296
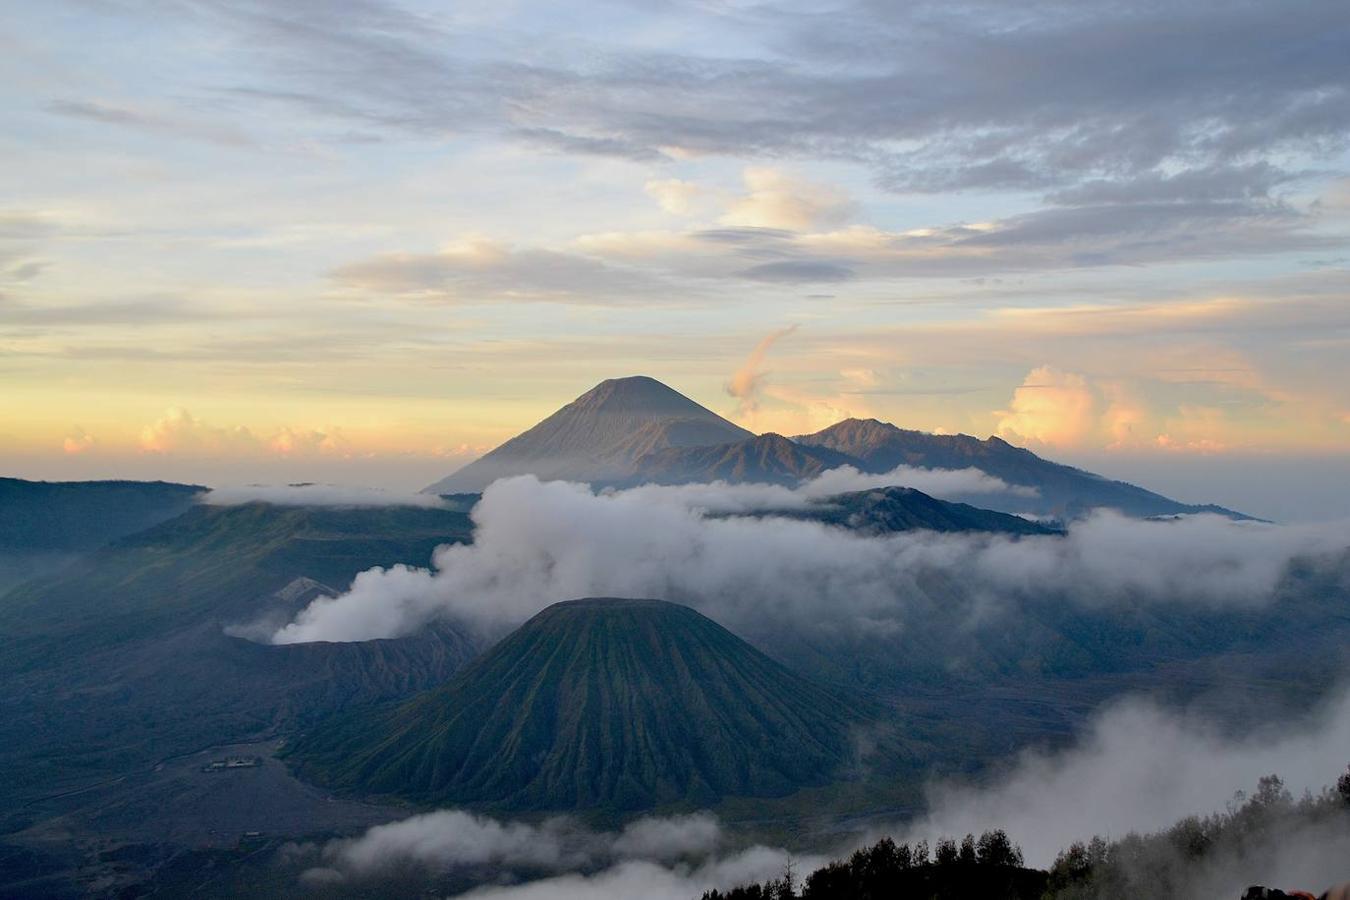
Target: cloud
x,y
315,495
676,856
1050,239
308,442
178,431
25,271
673,195
175,125
77,442
1140,768
1050,407
797,271
942,483
670,838
775,199
932,97
747,381
451,838
1057,408
536,543
479,270
653,882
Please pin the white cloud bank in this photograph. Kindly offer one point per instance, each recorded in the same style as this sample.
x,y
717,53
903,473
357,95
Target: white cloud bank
x,y
946,484
537,543
675,856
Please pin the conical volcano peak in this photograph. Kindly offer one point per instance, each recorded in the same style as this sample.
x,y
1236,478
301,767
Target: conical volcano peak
x,y
599,435
637,394
609,703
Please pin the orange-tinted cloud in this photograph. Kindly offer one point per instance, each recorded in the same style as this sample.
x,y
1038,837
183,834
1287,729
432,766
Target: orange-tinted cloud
x,y
77,442
1050,407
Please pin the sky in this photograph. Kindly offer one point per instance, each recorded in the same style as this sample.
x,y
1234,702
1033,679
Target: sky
x,y
365,242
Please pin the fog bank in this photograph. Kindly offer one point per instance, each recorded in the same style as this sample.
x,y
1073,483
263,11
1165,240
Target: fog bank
x,y
536,543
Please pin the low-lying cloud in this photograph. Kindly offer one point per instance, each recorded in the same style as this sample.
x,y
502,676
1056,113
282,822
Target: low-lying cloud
x,y
316,495
943,483
1140,768
675,856
537,543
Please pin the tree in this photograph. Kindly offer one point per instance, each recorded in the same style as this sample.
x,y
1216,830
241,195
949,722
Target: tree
x,y
945,854
1271,793
1343,786
966,855
994,849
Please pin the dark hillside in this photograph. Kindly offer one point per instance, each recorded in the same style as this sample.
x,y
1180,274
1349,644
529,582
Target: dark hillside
x,y
624,704
130,642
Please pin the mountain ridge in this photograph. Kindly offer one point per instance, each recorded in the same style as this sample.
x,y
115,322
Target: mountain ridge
x,y
768,458
630,431
1063,490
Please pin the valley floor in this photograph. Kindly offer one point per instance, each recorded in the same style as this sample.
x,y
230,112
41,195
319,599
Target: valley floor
x,y
120,833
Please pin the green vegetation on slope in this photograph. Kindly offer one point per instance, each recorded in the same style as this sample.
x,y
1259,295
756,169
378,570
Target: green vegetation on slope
x,y
624,704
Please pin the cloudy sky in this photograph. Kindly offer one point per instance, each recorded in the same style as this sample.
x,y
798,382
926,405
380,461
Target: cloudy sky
x,y
366,241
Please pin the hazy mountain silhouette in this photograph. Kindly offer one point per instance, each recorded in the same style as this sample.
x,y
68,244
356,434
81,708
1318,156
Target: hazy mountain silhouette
x,y
622,704
598,436
766,459
878,447
630,431
83,515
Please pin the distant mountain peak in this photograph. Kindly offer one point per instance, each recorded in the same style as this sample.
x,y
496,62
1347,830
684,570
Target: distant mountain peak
x,y
634,392
599,435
